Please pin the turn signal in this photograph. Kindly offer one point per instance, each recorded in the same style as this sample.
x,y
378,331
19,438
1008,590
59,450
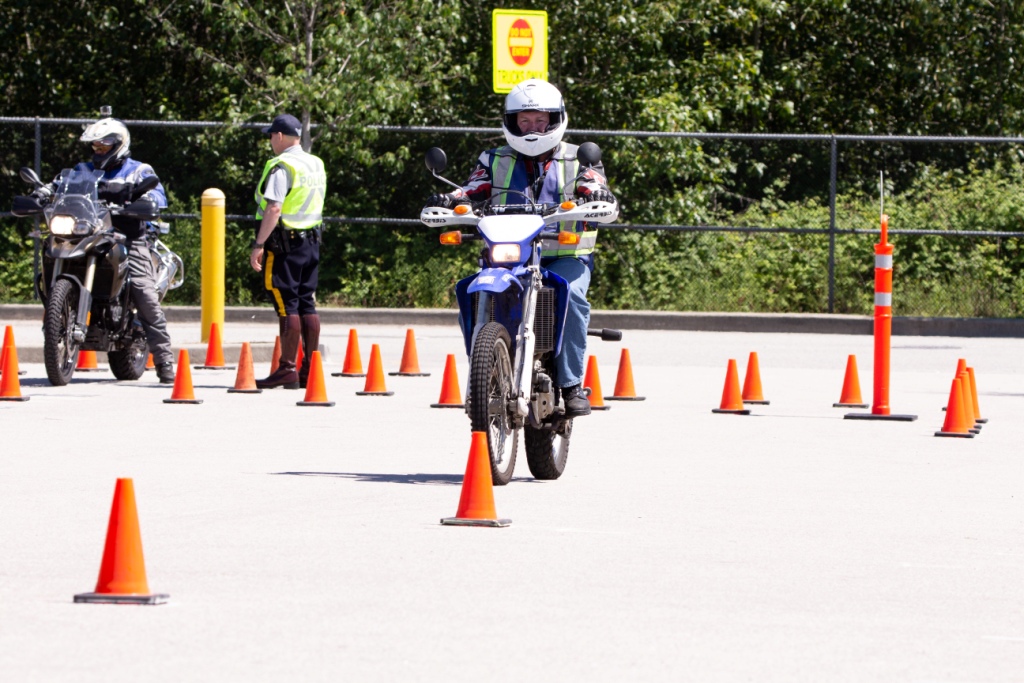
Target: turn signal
x,y
461,209
451,237
567,237
568,204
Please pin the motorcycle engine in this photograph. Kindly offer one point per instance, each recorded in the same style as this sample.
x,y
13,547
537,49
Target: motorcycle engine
x,y
543,399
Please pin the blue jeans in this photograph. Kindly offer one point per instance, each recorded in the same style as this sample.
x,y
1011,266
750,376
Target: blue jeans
x,y
569,362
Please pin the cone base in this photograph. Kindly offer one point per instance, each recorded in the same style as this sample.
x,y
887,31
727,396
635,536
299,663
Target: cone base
x,y
88,370
447,405
728,411
757,402
409,374
325,404
463,521
245,391
123,599
375,393
625,398
593,407
14,398
982,420
963,435
213,367
183,400
872,416
850,405
348,374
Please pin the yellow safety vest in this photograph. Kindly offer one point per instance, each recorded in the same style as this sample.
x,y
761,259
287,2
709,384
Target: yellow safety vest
x,y
303,208
502,166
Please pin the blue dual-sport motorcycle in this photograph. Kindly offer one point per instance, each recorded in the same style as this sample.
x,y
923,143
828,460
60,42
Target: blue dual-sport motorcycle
x,y
512,314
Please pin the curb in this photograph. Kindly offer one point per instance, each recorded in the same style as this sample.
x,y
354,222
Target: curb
x,y
810,323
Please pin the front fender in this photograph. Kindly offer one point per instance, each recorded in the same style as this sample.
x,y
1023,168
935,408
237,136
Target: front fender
x,y
494,280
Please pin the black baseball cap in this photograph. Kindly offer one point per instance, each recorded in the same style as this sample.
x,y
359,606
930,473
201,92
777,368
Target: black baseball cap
x,y
285,123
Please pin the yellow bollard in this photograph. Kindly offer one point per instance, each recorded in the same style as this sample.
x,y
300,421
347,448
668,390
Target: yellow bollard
x,y
212,295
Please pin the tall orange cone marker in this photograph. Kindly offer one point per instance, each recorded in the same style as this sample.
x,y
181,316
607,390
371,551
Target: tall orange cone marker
x,y
752,382
182,392
476,504
965,389
451,397
275,357
316,394
8,343
592,381
883,332
410,361
87,362
375,376
732,398
353,366
956,422
123,570
300,356
974,397
10,386
214,352
850,397
245,380
150,365
624,390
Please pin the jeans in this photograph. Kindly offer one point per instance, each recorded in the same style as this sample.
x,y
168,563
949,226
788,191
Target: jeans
x,y
569,361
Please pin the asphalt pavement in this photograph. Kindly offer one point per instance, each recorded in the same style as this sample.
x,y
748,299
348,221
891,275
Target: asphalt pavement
x,y
303,543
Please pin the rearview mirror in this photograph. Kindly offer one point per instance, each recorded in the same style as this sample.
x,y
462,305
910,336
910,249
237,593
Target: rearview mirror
x,y
589,154
436,160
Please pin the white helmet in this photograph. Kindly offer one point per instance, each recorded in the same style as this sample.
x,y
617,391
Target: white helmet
x,y
110,132
534,95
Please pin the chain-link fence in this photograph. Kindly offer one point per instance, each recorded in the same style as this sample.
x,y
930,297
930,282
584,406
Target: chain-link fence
x,y
778,223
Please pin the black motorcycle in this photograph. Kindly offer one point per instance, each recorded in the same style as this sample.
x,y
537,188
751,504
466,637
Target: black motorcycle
x,y
85,282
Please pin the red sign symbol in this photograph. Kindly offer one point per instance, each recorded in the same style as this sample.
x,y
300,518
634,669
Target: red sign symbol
x,y
520,41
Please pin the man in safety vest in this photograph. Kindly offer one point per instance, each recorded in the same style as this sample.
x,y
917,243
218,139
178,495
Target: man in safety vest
x,y
290,201
537,163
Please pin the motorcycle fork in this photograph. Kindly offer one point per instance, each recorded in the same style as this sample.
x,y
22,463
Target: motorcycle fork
x,y
85,299
523,373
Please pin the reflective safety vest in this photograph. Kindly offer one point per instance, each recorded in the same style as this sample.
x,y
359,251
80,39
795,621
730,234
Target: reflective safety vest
x,y
303,208
566,167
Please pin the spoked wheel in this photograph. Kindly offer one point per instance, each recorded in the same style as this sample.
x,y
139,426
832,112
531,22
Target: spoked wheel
x,y
491,399
547,450
130,363
60,350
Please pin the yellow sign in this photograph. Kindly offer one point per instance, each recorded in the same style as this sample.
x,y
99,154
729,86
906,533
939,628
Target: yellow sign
x,y
520,39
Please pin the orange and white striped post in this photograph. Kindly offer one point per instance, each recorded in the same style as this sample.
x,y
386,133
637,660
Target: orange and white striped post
x,y
883,331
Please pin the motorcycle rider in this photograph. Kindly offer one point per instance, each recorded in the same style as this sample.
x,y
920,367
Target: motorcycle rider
x,y
110,143
537,163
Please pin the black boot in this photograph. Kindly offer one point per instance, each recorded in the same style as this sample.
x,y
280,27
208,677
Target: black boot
x,y
165,373
310,343
285,375
576,402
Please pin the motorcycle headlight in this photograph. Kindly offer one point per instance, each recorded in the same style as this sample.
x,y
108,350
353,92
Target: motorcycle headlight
x,y
505,253
62,225
82,228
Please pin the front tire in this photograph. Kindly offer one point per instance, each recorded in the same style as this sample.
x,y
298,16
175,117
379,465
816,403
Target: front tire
x,y
60,350
490,400
547,451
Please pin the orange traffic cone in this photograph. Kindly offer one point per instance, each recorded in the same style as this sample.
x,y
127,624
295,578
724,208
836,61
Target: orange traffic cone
x,y
10,386
592,381
732,398
752,382
8,343
353,366
316,394
87,362
476,504
245,380
150,365
850,397
375,376
624,390
410,361
451,397
300,356
275,357
965,389
214,352
182,392
974,397
955,423
123,569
